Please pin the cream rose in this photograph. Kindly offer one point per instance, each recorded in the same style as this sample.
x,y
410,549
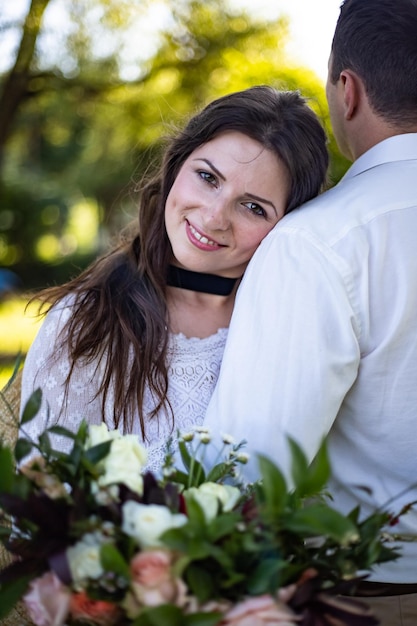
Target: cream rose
x,y
212,496
125,461
146,522
84,559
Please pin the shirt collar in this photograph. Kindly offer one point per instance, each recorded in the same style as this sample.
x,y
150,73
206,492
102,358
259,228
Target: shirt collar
x,y
396,148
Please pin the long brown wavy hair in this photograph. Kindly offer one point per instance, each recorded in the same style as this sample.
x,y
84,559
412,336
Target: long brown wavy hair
x,y
119,316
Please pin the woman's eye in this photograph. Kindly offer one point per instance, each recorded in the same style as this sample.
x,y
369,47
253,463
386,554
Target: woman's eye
x,y
207,176
256,209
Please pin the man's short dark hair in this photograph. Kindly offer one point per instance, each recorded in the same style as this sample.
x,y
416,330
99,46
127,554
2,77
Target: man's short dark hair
x,y
377,39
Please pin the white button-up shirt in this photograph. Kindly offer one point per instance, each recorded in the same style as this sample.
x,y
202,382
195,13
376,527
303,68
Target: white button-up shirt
x,y
323,340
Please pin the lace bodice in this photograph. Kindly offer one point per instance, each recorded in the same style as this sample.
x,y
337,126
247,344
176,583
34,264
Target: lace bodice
x,y
193,370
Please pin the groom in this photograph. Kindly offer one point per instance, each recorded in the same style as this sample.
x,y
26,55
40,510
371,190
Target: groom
x,y
323,340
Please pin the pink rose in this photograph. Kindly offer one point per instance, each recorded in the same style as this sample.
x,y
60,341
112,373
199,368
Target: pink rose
x,y
151,568
47,601
93,611
259,611
152,580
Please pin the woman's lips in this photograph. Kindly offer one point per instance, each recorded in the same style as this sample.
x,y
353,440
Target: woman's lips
x,y
200,240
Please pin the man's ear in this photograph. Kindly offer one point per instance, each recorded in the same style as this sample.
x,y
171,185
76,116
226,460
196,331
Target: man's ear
x,y
352,92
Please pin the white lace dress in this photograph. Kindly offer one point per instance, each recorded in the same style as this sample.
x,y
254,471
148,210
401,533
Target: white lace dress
x,y
193,370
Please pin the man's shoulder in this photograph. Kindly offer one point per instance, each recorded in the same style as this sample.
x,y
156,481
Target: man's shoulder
x,y
324,214
356,201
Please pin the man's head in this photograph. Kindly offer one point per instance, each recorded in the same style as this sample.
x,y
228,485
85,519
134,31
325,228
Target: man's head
x,y
377,40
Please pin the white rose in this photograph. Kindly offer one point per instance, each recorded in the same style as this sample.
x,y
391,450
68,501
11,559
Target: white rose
x,y
125,461
100,434
84,559
146,522
211,496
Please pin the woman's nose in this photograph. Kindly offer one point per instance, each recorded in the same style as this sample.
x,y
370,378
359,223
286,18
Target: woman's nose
x,y
217,215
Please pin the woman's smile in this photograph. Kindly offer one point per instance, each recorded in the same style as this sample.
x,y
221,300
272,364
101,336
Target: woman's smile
x,y
200,240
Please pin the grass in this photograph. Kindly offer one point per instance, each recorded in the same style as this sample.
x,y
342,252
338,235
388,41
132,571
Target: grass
x,y
17,331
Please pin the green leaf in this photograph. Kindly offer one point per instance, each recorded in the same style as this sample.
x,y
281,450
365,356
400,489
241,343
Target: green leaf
x,y
45,442
218,472
99,452
321,520
82,433
273,487
23,448
5,532
63,432
177,539
16,367
185,455
7,470
299,463
32,407
165,615
200,582
265,577
113,561
222,525
195,512
309,479
10,594
202,619
198,548
179,477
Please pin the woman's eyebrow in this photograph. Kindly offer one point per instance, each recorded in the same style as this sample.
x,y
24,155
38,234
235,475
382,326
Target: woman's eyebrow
x,y
252,196
213,167
247,193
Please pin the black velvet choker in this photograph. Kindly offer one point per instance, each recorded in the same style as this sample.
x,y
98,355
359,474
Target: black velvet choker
x,y
197,281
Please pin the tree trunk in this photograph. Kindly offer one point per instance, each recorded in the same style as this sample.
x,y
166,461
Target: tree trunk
x,y
16,83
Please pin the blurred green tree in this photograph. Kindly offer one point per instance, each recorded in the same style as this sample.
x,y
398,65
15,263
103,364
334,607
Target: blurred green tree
x,y
102,83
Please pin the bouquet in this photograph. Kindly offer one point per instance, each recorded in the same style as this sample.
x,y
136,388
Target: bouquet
x,y
98,540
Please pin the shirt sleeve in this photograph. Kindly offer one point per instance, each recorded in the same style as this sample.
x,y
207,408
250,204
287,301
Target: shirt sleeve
x,y
46,366
292,351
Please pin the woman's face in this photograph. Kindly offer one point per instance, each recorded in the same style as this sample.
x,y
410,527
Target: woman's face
x,y
228,195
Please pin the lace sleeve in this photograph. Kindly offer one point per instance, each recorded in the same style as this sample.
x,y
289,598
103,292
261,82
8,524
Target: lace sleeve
x,y
46,366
